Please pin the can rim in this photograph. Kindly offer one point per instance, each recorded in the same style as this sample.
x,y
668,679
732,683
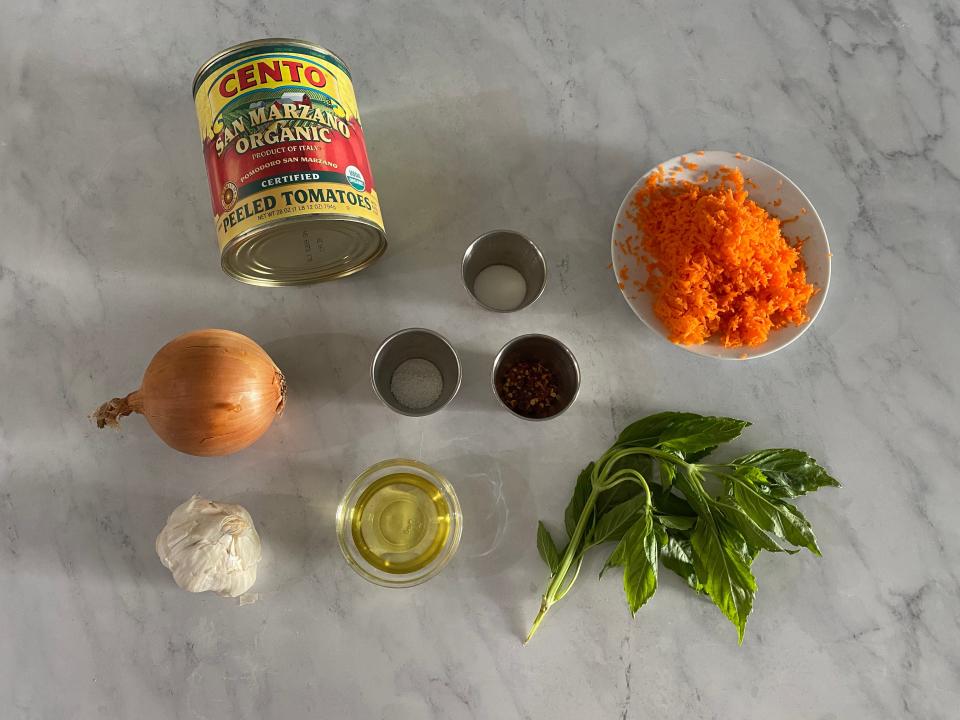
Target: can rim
x,y
251,44
253,233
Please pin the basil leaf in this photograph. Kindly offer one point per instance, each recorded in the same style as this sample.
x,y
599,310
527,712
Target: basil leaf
x,y
669,503
676,554
614,523
615,496
640,573
749,474
724,571
678,522
699,455
637,553
790,473
752,533
698,436
643,464
660,531
581,492
797,529
775,516
646,431
618,558
692,436
547,549
689,481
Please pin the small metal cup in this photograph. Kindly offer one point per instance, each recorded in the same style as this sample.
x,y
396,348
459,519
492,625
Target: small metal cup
x,y
505,247
407,345
552,353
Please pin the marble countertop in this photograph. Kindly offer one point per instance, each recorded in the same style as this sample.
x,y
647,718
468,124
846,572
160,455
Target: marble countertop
x,y
535,116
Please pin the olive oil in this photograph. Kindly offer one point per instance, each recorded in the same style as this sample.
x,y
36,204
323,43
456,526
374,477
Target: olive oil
x,y
400,523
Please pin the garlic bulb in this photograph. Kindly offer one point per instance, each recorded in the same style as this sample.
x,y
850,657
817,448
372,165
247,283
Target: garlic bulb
x,y
210,545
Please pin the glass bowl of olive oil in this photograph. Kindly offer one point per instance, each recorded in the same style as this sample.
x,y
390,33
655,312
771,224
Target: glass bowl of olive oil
x,y
399,523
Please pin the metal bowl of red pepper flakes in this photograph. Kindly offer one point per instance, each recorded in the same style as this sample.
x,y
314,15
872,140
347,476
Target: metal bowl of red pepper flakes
x,y
536,377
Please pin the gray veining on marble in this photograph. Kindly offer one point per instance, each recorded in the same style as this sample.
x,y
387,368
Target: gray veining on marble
x,y
536,116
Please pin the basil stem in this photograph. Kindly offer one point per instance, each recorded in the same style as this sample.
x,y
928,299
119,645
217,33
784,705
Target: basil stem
x,y
601,481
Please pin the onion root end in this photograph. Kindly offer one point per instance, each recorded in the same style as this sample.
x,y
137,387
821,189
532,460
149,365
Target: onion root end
x,y
111,411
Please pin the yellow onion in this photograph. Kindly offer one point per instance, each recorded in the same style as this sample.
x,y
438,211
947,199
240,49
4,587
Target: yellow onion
x,y
208,392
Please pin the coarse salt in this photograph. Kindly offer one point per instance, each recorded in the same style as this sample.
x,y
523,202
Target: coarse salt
x,y
416,384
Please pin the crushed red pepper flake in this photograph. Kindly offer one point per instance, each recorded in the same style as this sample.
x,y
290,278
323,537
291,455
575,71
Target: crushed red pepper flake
x,y
529,388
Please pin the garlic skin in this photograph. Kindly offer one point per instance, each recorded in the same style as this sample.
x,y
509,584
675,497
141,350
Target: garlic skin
x,y
210,545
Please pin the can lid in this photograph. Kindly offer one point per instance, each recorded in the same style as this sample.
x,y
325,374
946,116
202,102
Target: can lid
x,y
303,250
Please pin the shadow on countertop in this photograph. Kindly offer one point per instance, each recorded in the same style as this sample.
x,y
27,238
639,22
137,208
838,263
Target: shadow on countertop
x,y
450,169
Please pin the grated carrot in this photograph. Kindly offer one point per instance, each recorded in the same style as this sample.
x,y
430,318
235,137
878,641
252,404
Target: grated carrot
x,y
717,262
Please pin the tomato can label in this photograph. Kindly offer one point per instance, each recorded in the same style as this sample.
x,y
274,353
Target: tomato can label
x,y
282,139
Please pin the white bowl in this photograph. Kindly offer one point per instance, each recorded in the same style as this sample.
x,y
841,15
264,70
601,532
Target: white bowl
x,y
771,185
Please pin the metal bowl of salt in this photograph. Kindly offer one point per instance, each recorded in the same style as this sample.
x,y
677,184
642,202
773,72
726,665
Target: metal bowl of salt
x,y
415,372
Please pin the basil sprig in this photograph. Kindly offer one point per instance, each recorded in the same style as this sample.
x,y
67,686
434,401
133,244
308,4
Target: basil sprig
x,y
648,494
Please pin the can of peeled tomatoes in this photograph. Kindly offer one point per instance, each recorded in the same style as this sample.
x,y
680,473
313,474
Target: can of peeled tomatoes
x,y
293,196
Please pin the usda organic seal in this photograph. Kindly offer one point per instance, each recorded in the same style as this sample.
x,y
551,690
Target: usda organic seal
x,y
355,178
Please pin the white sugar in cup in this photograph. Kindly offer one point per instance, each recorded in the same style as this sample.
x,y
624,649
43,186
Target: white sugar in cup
x,y
500,287
495,263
